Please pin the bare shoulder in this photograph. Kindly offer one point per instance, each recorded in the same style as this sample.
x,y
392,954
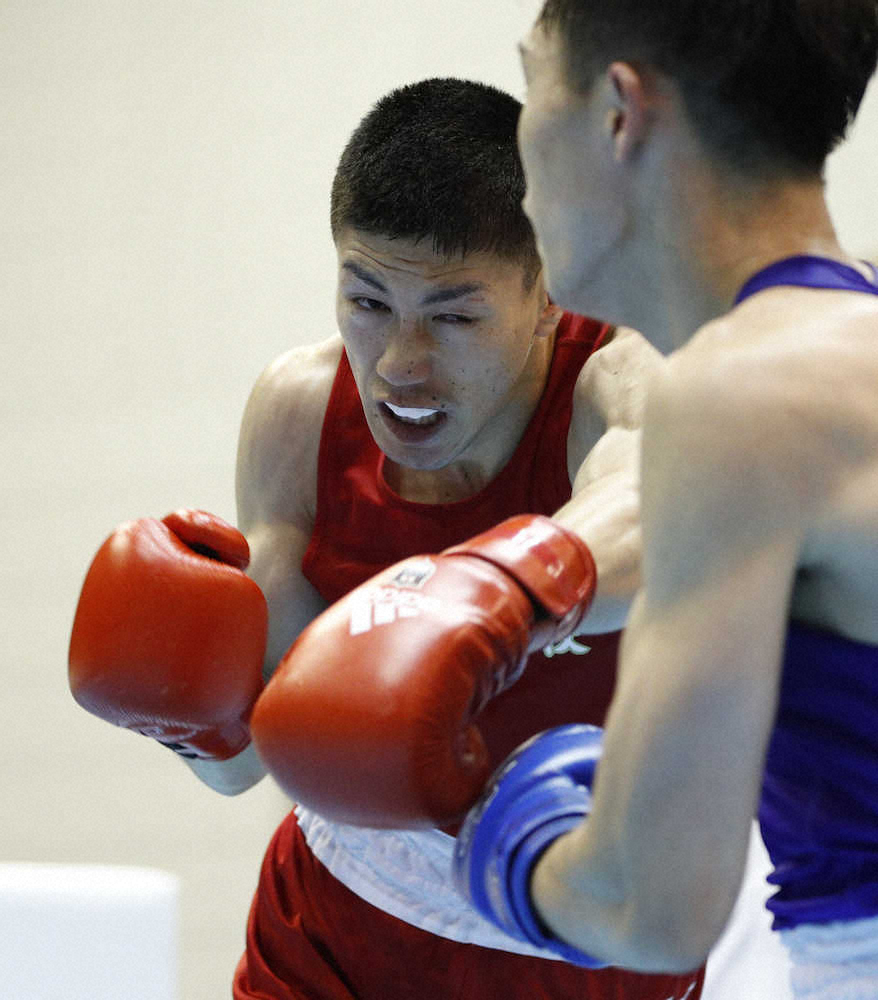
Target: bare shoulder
x,y
792,379
611,391
279,441
613,380
764,427
724,417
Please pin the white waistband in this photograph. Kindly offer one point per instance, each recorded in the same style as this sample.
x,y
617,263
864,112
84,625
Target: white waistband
x,y
837,961
407,874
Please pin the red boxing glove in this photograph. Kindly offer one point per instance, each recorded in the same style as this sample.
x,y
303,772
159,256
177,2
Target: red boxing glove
x,y
169,634
369,718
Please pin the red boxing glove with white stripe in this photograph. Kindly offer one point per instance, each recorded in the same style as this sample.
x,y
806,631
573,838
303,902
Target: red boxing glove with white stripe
x,y
370,716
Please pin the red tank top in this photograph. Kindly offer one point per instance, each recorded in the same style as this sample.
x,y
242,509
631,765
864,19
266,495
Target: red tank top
x,y
362,526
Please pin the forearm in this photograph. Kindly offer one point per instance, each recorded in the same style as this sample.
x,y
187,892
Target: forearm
x,y
649,879
276,556
598,887
618,575
578,903
592,901
605,512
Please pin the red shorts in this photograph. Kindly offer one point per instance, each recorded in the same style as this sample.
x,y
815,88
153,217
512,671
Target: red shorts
x,y
310,938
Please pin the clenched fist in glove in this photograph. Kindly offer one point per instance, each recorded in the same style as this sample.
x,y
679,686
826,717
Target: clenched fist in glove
x,y
169,634
370,717
538,793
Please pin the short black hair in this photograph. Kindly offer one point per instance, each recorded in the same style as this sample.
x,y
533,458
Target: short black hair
x,y
770,86
438,160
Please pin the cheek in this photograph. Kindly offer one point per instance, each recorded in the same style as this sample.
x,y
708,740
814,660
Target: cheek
x,y
488,369
538,138
361,335
531,146
548,188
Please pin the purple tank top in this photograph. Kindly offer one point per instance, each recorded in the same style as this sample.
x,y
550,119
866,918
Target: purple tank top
x,y
810,272
819,805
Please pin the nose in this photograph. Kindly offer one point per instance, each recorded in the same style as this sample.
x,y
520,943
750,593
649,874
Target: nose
x,y
407,358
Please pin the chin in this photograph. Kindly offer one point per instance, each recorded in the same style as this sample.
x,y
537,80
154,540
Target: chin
x,y
411,459
409,456
559,275
564,292
572,289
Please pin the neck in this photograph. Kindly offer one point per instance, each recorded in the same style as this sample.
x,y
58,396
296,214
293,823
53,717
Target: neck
x,y
736,231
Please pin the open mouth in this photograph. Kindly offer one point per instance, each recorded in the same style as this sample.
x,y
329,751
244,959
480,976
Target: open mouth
x,y
416,415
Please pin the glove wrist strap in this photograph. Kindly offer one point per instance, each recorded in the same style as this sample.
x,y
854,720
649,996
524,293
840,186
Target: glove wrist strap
x,y
553,565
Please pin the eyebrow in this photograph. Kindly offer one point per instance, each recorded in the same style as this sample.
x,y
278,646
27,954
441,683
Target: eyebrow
x,y
448,294
363,275
453,292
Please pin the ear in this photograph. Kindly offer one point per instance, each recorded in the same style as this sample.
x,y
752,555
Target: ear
x,y
548,320
628,118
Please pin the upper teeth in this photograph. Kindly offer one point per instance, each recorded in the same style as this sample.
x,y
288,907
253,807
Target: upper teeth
x,y
411,412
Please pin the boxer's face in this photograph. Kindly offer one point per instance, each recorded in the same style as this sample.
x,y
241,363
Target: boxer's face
x,y
440,347
570,200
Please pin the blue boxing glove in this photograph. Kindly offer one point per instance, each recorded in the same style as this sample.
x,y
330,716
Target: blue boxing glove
x,y
539,793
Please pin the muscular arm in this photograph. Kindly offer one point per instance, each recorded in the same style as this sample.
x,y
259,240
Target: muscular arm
x,y
276,484
649,879
604,460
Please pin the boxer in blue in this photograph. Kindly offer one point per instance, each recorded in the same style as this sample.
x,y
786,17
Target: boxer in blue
x,y
674,157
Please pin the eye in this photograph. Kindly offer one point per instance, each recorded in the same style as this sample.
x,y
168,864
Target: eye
x,y
454,319
369,305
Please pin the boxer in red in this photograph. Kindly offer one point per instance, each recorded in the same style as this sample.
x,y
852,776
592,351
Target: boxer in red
x,y
459,414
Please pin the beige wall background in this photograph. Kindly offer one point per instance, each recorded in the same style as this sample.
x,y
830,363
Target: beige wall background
x,y
164,183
